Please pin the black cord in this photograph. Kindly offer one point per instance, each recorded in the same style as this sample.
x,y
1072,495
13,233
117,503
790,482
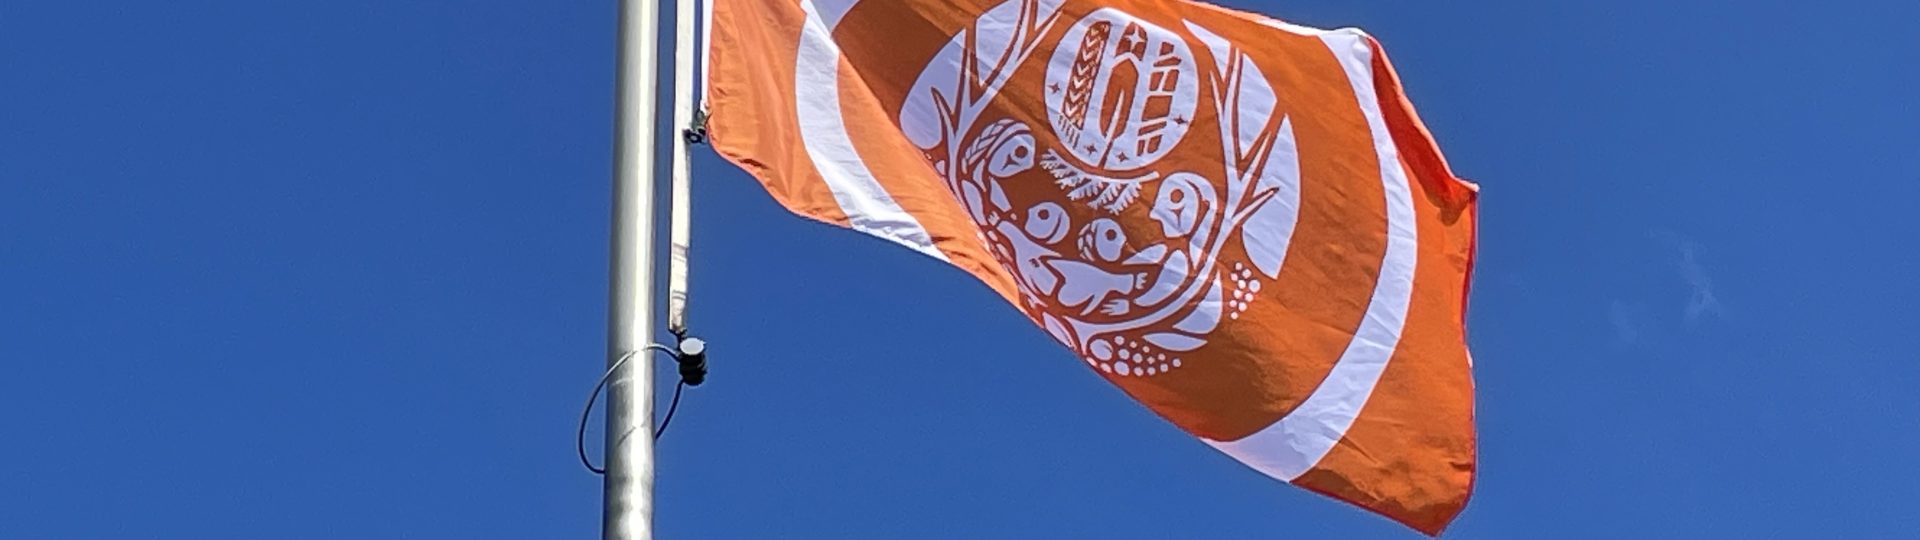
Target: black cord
x,y
580,437
670,409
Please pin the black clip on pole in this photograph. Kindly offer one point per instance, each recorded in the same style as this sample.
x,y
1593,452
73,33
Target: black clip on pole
x,y
691,354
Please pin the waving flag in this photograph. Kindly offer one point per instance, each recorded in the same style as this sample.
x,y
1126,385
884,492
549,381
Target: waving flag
x,y
1239,222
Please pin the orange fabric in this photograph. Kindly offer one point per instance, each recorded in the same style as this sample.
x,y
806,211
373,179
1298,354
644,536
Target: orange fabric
x,y
749,125
1242,225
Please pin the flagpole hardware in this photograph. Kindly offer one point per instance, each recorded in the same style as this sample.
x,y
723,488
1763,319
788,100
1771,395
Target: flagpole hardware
x,y
691,354
580,436
696,131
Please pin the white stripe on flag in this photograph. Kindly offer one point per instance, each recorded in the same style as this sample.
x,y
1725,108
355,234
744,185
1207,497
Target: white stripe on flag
x,y
823,130
1296,443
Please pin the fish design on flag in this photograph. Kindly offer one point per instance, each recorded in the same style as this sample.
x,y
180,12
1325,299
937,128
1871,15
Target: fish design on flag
x,y
1239,222
1122,95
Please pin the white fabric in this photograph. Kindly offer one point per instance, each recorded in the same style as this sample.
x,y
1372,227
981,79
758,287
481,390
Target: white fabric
x,y
680,200
706,48
1296,443
828,12
1284,450
869,208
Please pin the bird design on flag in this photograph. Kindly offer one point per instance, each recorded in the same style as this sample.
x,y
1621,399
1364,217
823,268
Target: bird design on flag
x,y
1087,282
1064,212
1003,150
1126,175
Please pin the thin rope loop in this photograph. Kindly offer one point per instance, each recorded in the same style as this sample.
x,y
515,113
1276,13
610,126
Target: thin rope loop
x,y
580,437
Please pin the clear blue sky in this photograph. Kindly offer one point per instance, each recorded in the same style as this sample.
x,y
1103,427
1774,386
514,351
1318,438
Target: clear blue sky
x,y
337,269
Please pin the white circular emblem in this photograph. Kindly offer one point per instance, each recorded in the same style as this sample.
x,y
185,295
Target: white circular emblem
x,y
1129,257
1135,266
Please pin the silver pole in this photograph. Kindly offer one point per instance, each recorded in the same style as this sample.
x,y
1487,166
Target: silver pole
x,y
628,497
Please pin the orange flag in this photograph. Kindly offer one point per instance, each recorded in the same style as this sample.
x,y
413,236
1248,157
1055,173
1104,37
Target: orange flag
x,y
1240,222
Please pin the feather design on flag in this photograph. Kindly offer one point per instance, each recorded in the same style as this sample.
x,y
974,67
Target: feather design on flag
x,y
1107,194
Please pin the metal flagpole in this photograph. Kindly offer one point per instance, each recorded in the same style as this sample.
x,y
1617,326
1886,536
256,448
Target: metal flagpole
x,y
628,496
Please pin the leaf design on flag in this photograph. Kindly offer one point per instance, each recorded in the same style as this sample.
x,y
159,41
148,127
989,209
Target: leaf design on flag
x,y
1104,193
1119,93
